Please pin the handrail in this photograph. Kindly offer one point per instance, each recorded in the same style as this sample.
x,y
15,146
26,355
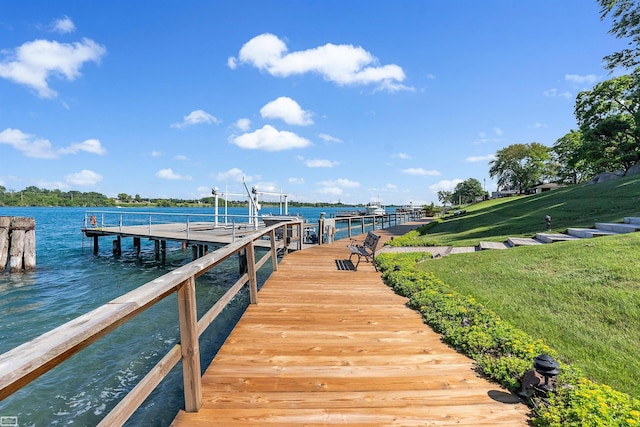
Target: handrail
x,y
25,363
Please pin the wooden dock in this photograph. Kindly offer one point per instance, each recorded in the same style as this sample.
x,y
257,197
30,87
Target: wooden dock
x,y
325,346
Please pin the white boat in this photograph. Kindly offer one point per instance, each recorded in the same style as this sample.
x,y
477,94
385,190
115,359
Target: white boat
x,y
375,208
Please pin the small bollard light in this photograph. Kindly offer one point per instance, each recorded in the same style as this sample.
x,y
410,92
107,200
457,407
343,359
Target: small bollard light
x,y
547,219
541,379
549,368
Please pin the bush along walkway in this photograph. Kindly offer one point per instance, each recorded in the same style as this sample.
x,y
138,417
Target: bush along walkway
x,y
504,352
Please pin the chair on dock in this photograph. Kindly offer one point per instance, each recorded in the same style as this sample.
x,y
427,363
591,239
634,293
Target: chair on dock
x,y
365,249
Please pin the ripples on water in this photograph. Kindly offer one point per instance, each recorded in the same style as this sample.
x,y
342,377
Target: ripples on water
x,y
69,282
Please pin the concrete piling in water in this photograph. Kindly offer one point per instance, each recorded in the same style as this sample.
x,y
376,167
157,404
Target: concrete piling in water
x,y
17,244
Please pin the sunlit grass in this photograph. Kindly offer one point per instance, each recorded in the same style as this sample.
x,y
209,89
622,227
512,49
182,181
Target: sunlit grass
x,y
582,297
576,206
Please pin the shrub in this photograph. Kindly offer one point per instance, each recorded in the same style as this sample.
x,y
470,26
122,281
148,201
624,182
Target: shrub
x,y
504,352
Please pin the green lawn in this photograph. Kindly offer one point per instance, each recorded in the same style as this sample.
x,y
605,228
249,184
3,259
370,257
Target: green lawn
x,y
576,206
581,297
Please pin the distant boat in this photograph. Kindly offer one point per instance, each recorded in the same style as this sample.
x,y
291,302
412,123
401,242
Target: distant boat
x,y
375,208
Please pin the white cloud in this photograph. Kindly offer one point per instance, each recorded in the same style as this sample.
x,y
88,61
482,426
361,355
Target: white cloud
x,y
155,153
84,178
331,191
420,172
445,185
538,125
171,175
29,145
340,64
235,174
63,25
328,138
483,138
41,148
288,110
33,63
586,80
296,180
391,187
552,93
341,182
90,146
197,117
475,159
181,157
243,124
403,156
320,163
269,139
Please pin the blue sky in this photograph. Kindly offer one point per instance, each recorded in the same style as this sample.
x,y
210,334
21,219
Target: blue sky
x,y
327,101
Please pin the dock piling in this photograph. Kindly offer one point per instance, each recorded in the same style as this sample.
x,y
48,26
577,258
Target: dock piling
x,y
17,244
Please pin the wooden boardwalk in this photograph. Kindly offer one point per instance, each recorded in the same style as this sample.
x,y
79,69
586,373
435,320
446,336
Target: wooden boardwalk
x,y
331,347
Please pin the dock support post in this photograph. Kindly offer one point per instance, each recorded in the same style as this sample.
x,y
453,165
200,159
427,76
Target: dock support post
x,y
137,246
5,222
117,246
189,346
242,261
156,249
95,245
194,252
16,250
163,251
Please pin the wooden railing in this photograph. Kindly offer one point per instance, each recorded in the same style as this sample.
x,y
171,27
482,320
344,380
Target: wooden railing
x,y
25,363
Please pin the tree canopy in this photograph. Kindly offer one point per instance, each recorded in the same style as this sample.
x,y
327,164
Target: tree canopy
x,y
626,25
519,166
608,119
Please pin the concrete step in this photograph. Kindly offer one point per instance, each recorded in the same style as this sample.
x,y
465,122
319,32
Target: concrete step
x,y
492,245
589,232
554,237
617,227
522,241
462,250
632,220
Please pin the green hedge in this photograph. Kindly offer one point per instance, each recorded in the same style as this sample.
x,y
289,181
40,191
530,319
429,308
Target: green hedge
x,y
504,352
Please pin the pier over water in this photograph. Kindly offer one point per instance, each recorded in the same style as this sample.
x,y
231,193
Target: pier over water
x,y
329,330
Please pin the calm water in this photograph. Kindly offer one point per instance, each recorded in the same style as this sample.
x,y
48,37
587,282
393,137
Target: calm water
x,y
70,281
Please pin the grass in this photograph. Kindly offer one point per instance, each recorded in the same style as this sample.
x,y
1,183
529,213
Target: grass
x,y
575,206
582,297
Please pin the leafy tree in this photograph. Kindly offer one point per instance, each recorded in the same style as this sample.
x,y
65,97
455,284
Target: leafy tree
x,y
519,166
445,197
626,24
468,191
608,116
567,156
124,197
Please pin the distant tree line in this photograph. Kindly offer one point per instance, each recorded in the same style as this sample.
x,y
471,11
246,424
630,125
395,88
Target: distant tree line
x,y
34,196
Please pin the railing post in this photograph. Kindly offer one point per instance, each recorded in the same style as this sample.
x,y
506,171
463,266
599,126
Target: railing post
x,y
189,346
274,250
251,270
